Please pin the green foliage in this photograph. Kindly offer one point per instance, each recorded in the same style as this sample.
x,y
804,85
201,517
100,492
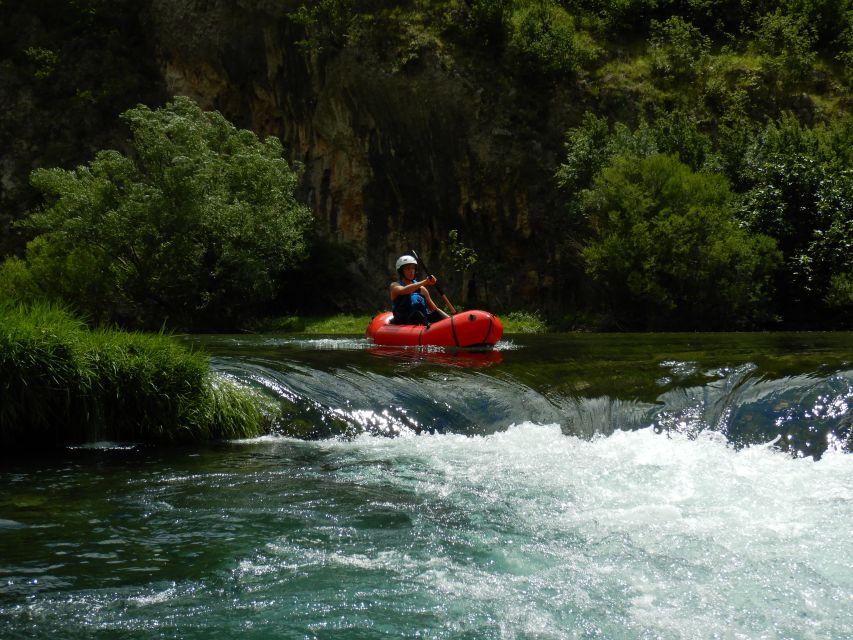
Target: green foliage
x,y
591,146
45,61
677,133
788,41
544,35
800,192
678,49
839,294
196,226
326,22
666,249
587,150
524,322
826,20
462,257
63,384
486,21
16,282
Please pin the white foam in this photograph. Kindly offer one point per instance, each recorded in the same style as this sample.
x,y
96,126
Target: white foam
x,y
684,537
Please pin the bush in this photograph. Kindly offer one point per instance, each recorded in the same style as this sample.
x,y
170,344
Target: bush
x,y
524,322
543,35
196,226
485,21
667,251
16,282
789,43
799,183
591,146
678,49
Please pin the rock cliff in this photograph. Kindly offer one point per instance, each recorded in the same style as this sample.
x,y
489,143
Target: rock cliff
x,y
397,150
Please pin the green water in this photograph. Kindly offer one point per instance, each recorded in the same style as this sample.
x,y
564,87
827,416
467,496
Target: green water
x,y
572,487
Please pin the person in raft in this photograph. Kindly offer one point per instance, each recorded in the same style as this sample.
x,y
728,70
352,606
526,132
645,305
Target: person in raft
x,y
410,300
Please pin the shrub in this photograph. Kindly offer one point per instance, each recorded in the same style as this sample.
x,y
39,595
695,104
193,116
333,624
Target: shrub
x,y
678,49
788,41
799,190
326,22
667,251
524,322
543,35
486,21
196,225
16,282
590,146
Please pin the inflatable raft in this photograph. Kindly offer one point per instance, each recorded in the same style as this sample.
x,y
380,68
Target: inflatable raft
x,y
466,329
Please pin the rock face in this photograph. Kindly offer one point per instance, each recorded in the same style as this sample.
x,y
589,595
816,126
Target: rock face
x,y
395,155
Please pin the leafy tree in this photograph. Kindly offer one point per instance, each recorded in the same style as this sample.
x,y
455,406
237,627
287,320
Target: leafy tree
x,y
591,145
666,249
800,191
326,22
827,20
544,35
195,226
486,19
789,43
678,49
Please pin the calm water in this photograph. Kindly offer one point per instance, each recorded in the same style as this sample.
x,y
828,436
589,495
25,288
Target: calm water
x,y
626,486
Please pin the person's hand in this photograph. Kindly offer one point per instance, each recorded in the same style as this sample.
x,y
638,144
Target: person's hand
x,y
430,280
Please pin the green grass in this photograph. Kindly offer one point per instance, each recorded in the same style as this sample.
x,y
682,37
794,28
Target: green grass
x,y
524,322
348,324
62,384
343,323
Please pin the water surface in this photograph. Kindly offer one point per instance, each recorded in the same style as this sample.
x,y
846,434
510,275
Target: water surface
x,y
625,486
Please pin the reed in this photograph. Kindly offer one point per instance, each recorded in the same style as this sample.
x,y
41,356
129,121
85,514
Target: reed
x,y
61,383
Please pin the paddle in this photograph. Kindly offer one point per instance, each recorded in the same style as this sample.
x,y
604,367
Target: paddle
x,y
437,286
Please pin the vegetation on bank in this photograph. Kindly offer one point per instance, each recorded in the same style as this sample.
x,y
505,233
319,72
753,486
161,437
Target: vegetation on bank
x,y
349,324
706,181
678,231
196,226
63,384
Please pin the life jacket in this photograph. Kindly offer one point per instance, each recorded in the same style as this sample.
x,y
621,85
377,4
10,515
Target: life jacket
x,y
403,306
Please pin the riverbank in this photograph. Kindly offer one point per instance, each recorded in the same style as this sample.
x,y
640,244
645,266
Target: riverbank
x,y
349,324
63,384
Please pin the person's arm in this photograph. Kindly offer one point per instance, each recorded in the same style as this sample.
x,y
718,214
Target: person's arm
x,y
399,290
430,304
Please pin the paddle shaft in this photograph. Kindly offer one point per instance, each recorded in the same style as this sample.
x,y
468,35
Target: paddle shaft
x,y
437,286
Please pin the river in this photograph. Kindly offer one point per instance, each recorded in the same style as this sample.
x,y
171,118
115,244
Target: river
x,y
561,486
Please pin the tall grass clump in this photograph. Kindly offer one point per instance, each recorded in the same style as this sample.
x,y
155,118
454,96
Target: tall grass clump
x,y
61,384
524,322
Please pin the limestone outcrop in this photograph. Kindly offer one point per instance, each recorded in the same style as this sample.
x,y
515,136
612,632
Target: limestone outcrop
x,y
397,150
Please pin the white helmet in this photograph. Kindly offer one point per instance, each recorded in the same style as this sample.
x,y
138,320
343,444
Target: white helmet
x,y
402,261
